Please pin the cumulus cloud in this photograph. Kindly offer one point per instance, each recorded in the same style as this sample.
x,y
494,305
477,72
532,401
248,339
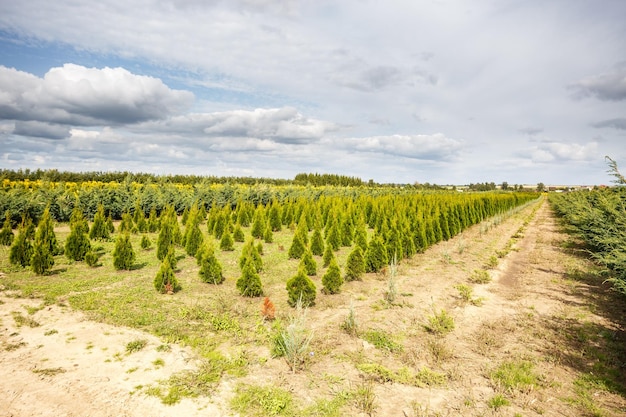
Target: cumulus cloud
x,y
608,86
435,147
618,123
80,96
41,130
282,125
562,152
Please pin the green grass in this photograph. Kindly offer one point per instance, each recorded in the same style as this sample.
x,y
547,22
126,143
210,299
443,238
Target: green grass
x,y
383,341
497,402
515,376
136,345
261,401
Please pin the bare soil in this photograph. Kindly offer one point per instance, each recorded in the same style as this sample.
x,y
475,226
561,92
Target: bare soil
x,y
545,306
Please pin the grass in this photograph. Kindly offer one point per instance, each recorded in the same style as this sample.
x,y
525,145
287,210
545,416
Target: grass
x,y
440,323
48,371
497,402
136,345
293,341
425,377
21,320
383,341
515,375
261,401
480,276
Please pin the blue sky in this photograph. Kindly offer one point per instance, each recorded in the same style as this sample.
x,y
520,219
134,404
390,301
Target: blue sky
x,y
446,92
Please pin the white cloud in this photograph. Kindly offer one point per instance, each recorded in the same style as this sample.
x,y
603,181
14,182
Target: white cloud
x,y
425,147
610,85
562,152
80,96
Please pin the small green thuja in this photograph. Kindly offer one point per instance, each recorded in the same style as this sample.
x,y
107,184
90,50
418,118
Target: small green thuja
x,y
6,234
332,280
249,284
308,263
211,269
123,253
146,243
301,289
165,280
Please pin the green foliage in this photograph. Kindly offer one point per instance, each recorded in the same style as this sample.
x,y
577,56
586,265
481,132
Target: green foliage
x,y
238,235
376,255
44,246
193,236
91,258
123,253
249,283
211,269
268,237
297,248
293,341
166,238
328,256
146,243
126,224
165,280
99,229
355,265
301,288
22,249
258,226
440,323
317,243
382,341
332,280
6,234
262,401
77,244
226,242
251,252
515,375
308,263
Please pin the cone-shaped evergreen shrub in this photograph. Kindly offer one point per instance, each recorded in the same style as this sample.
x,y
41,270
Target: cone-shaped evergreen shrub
x,y
193,237
328,255
165,281
274,215
165,239
332,280
297,248
317,243
258,226
6,234
249,284
376,255
300,287
250,252
126,225
110,224
219,226
44,246
99,229
145,242
226,242
355,265
347,233
333,239
22,249
91,258
308,263
153,221
77,244
123,253
211,269
238,235
259,248
268,237
360,237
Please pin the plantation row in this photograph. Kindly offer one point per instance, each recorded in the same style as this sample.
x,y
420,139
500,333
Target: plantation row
x,y
31,197
599,216
379,230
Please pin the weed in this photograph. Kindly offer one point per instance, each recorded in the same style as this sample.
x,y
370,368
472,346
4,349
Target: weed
x,y
466,292
13,346
293,342
136,345
392,293
382,341
131,370
515,375
365,397
158,362
440,323
260,401
480,276
424,377
51,332
439,351
163,348
492,263
48,371
497,401
21,320
350,324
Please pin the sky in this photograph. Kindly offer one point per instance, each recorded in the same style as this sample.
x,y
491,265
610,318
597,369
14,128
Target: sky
x,y
400,91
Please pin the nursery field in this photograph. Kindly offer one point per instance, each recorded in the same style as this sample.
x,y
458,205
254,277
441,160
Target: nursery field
x,y
477,304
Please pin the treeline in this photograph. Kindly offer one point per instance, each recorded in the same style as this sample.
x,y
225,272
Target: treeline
x,y
329,179
599,217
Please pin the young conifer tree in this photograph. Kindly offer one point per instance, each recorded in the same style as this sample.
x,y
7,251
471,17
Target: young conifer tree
x,y
328,255
249,283
332,280
258,225
6,234
153,221
251,252
308,263
99,229
44,246
317,243
300,287
226,242
297,248
123,253
238,235
165,239
211,269
376,255
77,244
22,248
193,235
165,280
355,265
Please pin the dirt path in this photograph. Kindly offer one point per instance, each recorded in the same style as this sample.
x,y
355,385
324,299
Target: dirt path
x,y
541,307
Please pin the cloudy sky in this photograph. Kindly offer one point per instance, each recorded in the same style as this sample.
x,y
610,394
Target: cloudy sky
x,y
403,91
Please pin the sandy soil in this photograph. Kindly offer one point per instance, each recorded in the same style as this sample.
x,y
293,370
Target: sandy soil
x,y
70,366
